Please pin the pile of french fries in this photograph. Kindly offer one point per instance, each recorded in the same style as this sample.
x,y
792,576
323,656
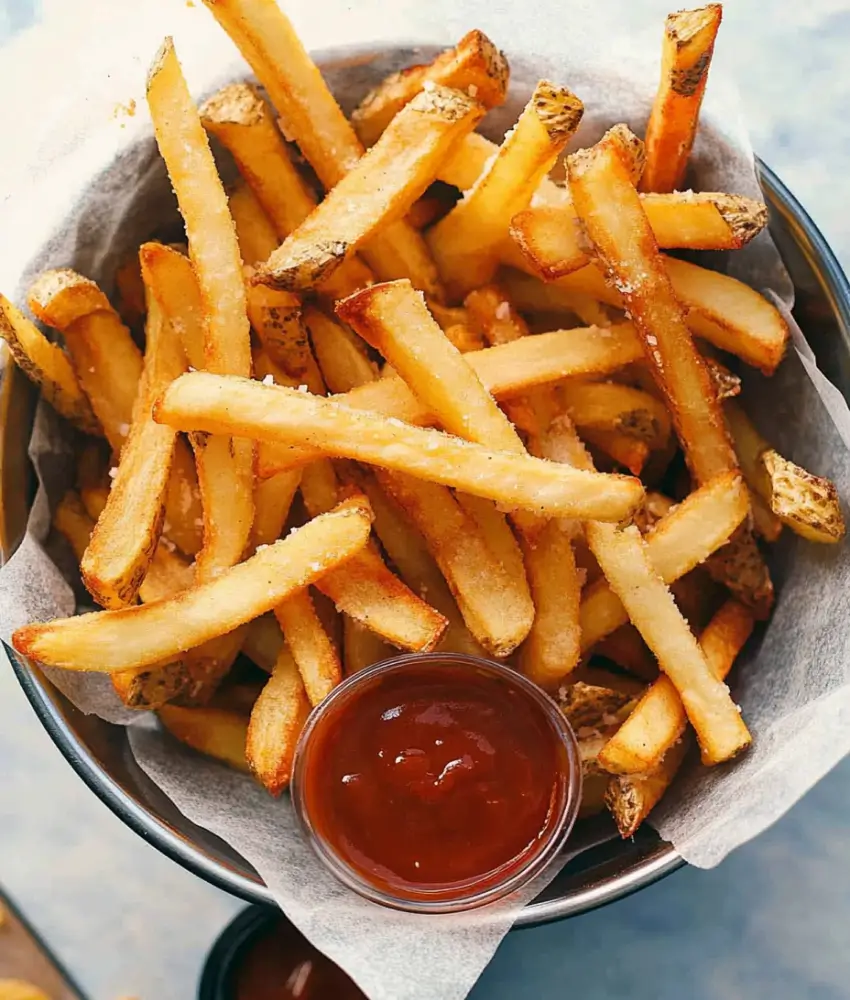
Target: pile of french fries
x,y
442,403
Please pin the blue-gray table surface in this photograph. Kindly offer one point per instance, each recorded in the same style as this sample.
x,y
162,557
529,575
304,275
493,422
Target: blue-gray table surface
x,y
770,922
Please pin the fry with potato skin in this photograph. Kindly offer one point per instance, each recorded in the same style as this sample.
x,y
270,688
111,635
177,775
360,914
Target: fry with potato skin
x,y
225,467
242,121
149,633
127,532
658,720
220,404
630,798
548,234
685,60
681,540
465,243
379,189
269,43
48,367
277,718
109,367
626,564
474,66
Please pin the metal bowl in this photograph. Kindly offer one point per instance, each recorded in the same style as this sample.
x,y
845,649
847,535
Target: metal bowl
x,y
609,868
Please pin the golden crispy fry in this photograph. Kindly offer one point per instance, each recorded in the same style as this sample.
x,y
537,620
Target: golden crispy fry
x,y
215,732
632,797
659,719
225,467
549,235
685,59
408,550
256,235
765,523
48,366
107,362
495,608
494,316
437,201
394,319
314,120
263,642
625,561
109,367
496,531
474,66
681,540
341,356
613,218
272,501
616,407
311,647
465,243
808,504
627,451
150,633
447,316
242,121
362,647
464,339
365,589
222,404
722,310
506,370
127,532
277,718
72,521
379,189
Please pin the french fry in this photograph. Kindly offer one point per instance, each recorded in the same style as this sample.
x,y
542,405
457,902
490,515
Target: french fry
x,y
314,120
497,612
215,732
494,316
225,467
220,404
311,647
408,550
394,319
127,532
658,720
722,310
150,633
277,718
685,60
242,121
72,521
437,201
626,564
366,589
362,647
613,218
765,523
465,243
505,371
379,189
237,697
272,501
631,798
130,289
588,705
263,642
339,353
474,66
681,540
626,648
615,407
109,367
464,339
807,503
48,367
107,363
256,235
548,235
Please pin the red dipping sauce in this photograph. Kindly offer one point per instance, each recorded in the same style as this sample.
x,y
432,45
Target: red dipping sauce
x,y
437,782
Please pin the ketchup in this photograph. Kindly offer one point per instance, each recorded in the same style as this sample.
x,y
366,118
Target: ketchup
x,y
281,964
436,780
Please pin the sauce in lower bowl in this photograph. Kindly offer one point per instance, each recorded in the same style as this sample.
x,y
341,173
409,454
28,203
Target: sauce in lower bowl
x,y
436,782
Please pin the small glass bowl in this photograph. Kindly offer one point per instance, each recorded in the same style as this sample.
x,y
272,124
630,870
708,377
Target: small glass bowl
x,y
469,896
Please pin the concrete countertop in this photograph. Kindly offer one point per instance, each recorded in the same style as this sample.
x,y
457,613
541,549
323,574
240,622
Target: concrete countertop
x,y
770,921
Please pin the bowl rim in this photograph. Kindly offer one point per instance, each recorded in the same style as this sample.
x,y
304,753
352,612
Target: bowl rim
x,y
659,861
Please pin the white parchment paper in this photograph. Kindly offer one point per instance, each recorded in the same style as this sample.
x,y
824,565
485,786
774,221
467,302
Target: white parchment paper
x,y
85,185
